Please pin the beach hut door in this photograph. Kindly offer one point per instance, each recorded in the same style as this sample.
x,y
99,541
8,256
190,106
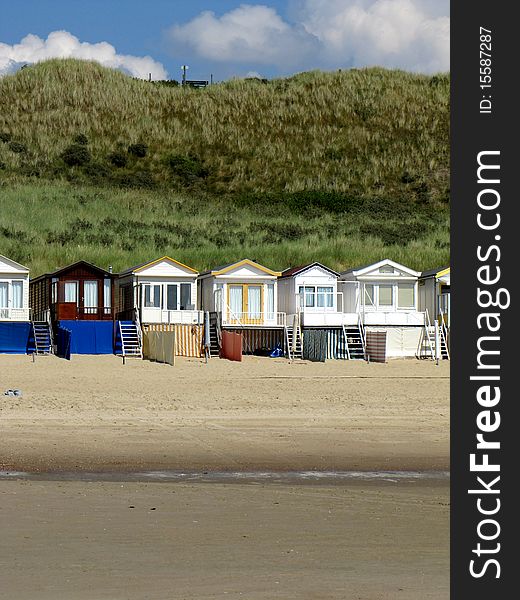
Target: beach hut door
x,y
245,304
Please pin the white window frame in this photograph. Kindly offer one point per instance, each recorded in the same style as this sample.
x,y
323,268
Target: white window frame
x,y
312,290
8,287
152,295
414,289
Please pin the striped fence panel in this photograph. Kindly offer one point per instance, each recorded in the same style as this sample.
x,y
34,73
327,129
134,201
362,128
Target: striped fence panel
x,y
325,343
189,339
376,346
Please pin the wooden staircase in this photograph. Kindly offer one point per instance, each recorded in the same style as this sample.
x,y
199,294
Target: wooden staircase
x,y
353,342
131,339
215,334
294,340
427,347
42,332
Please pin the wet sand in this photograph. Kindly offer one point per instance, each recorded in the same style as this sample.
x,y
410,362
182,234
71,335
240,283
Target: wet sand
x,y
79,540
96,414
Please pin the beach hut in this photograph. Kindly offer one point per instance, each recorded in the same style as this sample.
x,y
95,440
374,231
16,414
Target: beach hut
x,y
434,300
383,297
434,294
79,299
15,324
163,292
311,291
243,296
309,295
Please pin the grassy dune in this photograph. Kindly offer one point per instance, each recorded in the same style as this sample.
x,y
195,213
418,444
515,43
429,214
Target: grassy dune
x,y
51,224
341,167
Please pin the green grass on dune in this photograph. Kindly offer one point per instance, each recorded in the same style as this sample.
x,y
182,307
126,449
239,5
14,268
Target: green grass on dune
x,y
126,227
344,168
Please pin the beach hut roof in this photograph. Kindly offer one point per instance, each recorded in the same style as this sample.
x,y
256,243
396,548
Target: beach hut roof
x,y
363,270
438,272
79,263
146,265
13,264
300,269
222,270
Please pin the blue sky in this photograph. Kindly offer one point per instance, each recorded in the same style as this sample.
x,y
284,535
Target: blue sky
x,y
227,37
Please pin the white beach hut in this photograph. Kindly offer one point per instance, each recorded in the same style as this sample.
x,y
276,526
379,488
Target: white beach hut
x,y
15,325
243,293
434,294
163,291
243,296
384,297
14,291
311,291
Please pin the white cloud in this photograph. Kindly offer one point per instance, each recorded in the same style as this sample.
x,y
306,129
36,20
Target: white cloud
x,y
408,34
249,33
62,44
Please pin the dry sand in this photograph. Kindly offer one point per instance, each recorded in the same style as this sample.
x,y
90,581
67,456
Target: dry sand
x,y
94,413
90,539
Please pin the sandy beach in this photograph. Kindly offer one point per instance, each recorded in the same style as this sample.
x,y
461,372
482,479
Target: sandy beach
x,y
162,541
94,413
85,523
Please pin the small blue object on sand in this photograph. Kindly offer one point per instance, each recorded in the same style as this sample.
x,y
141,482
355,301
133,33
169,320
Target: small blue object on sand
x,y
13,393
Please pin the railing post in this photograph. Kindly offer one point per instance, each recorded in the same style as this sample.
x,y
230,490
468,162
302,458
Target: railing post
x,y
437,341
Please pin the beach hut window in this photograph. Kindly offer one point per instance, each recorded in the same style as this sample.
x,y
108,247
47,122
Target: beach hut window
x,y
71,291
185,296
254,300
386,295
235,301
54,290
386,269
406,295
90,290
325,297
152,296
308,292
17,294
107,300
270,301
4,294
369,294
171,297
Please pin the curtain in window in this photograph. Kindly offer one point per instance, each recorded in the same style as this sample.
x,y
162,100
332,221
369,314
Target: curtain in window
x,y
235,301
254,297
3,294
325,299
17,294
406,295
270,301
301,294
309,296
386,295
186,296
90,292
71,291
107,299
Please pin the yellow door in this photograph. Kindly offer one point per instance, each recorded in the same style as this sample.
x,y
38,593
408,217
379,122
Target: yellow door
x,y
245,302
